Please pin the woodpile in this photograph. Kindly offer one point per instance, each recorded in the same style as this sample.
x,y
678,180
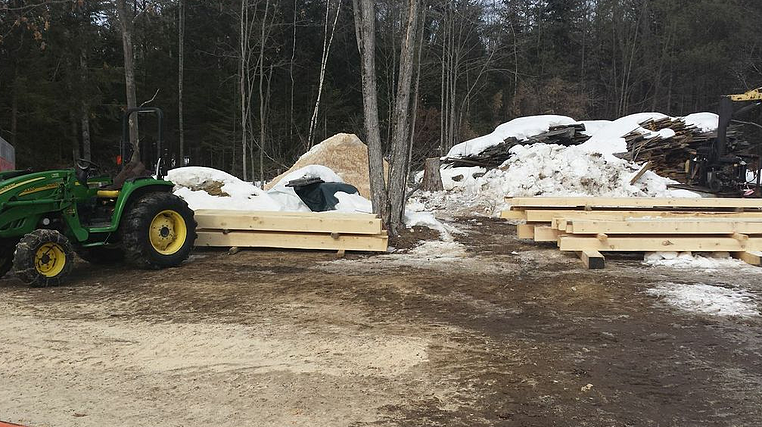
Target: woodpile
x,y
496,155
589,225
291,230
668,155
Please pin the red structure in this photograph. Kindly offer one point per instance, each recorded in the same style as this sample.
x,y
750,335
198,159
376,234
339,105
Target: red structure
x,y
7,156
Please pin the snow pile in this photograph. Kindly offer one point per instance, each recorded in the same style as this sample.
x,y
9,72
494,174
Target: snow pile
x,y
705,122
609,139
688,260
594,126
521,128
554,170
708,299
207,188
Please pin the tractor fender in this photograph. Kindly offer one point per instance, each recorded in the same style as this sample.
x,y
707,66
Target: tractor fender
x,y
134,190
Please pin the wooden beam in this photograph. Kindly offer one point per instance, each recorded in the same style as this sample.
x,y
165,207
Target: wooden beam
x,y
541,215
632,202
749,257
329,214
659,243
525,231
593,260
275,239
511,214
545,234
641,172
277,221
666,226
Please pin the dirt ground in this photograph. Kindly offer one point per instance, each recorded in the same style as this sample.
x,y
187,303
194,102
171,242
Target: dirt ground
x,y
491,332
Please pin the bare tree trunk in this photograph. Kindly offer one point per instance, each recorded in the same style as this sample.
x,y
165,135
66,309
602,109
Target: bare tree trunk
x,y
180,72
125,21
415,102
365,30
85,117
243,67
15,106
400,132
291,75
323,61
262,41
432,177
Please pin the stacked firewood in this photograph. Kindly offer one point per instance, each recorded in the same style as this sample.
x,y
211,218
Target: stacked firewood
x,y
496,155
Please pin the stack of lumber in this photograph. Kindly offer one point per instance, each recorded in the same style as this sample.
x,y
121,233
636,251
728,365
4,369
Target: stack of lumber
x,y
291,230
496,155
590,225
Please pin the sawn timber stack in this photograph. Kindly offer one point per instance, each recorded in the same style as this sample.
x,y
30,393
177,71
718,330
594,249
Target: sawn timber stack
x,y
291,230
590,225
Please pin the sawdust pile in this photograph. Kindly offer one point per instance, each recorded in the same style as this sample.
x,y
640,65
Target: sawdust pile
x,y
345,154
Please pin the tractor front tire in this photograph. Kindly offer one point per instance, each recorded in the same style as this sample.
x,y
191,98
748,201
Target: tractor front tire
x,y
101,255
158,231
43,258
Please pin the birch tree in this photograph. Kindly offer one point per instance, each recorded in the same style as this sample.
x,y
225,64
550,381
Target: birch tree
x,y
327,40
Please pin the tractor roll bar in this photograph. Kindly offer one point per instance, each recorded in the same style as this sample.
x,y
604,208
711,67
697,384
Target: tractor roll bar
x,y
126,133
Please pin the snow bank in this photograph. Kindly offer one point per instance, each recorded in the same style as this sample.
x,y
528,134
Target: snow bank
x,y
708,299
594,126
608,139
194,183
688,260
553,170
705,122
521,128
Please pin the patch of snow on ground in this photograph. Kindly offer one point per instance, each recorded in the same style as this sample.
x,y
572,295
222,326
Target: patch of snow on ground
x,y
521,128
417,215
688,260
242,195
439,250
708,299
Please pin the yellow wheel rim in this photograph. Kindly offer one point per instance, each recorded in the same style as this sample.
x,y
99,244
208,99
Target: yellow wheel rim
x,y
168,232
50,259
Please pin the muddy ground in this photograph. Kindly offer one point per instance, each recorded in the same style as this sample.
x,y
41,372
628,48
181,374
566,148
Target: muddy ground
x,y
499,333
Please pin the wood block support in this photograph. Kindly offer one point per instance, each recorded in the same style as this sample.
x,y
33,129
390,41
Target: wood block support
x,y
749,257
593,260
525,231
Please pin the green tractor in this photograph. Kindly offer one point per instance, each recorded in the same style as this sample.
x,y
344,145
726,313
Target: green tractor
x,y
45,217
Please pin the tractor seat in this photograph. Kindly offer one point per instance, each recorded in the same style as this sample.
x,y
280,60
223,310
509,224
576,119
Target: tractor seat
x,y
107,194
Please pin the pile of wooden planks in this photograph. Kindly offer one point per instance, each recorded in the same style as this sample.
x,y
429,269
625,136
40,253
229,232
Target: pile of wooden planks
x,y
291,230
590,225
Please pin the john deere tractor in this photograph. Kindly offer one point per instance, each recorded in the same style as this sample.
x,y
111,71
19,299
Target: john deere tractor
x,y
47,217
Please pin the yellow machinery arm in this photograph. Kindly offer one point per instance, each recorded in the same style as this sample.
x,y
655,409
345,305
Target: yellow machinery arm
x,y
752,95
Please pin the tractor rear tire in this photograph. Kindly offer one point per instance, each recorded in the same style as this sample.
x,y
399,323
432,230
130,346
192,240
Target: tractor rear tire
x,y
100,255
43,258
158,231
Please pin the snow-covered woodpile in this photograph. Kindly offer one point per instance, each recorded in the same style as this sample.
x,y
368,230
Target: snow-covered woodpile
x,y
589,225
496,155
